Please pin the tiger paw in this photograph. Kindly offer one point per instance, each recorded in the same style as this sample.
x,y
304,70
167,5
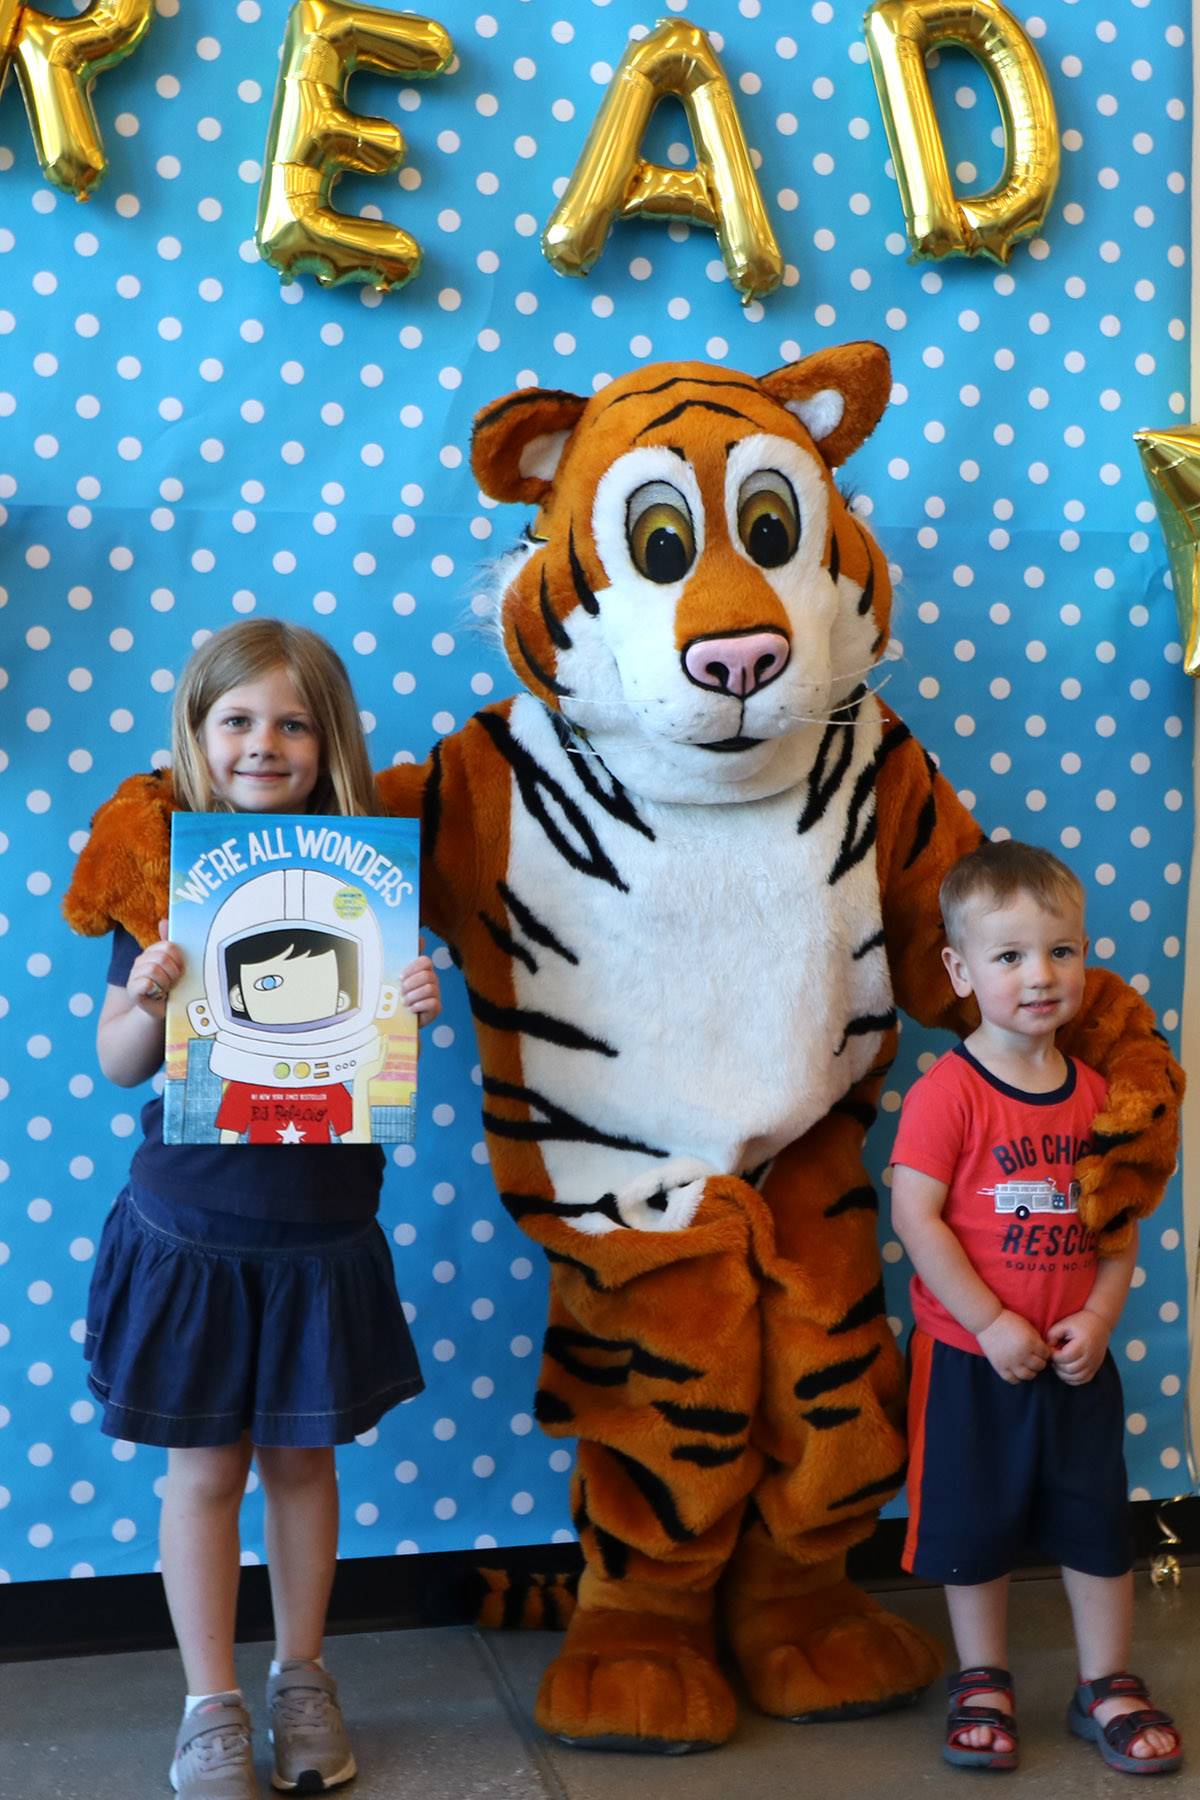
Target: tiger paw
x,y
632,1681
831,1654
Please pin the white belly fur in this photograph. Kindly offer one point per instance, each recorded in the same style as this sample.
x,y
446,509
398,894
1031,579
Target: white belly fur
x,y
724,977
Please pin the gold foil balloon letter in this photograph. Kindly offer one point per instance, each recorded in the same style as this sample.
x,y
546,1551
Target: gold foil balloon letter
x,y
612,179
900,34
1171,460
314,138
57,60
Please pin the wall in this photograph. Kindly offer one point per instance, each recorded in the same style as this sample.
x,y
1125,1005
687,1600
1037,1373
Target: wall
x,y
183,441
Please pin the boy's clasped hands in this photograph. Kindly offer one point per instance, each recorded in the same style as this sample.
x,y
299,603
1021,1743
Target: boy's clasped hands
x,y
1074,1346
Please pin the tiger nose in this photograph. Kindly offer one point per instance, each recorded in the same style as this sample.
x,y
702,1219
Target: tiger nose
x,y
738,665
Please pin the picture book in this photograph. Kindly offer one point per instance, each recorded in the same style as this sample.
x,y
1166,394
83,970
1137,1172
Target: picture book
x,y
287,1026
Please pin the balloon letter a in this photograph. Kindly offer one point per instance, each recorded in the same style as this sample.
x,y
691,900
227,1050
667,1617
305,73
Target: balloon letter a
x,y
611,180
57,61
314,137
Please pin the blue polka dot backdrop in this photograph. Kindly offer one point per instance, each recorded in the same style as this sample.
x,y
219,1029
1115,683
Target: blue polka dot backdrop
x,y
184,441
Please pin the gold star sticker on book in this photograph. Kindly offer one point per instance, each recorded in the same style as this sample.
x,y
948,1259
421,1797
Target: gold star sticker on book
x,y
1171,460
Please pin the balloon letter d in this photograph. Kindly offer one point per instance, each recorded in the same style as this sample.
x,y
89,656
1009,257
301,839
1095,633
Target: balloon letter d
x,y
900,33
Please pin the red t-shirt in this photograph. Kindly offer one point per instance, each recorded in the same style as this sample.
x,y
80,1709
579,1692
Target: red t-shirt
x,y
1008,1160
285,1115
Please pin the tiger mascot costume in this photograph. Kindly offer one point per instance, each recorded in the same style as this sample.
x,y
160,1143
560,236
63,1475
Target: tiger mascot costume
x,y
690,872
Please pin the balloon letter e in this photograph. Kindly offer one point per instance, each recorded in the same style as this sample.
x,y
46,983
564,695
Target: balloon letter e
x,y
57,61
314,137
612,180
900,33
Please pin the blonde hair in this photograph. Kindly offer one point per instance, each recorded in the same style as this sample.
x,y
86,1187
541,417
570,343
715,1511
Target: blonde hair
x,y
247,651
998,873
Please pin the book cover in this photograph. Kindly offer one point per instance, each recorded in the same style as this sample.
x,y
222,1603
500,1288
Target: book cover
x,y
287,1026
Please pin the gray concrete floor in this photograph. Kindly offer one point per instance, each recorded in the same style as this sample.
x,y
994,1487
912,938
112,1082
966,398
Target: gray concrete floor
x,y
446,1715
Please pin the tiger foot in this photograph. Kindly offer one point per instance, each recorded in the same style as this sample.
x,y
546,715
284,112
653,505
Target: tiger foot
x,y
831,1654
632,1681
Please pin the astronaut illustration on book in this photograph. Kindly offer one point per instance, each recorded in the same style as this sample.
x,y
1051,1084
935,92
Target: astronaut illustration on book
x,y
293,967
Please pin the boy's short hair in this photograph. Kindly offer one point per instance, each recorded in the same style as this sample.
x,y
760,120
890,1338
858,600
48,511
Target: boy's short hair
x,y
1001,871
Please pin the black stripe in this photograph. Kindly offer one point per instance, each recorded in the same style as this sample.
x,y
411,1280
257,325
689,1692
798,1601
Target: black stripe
x,y
660,1368
536,1206
543,1026
857,837
579,1515
561,1342
875,942
584,763
821,788
861,1111
532,926
1104,1141
869,1306
656,1494
431,806
583,587
572,1262
505,941
834,1375
1118,1222
857,1199
747,387
716,1419
708,1456
551,1409
560,637
540,675
558,1125
824,1418
872,1490
868,593
674,412
613,1553
585,852
527,397
863,1024
835,555
924,831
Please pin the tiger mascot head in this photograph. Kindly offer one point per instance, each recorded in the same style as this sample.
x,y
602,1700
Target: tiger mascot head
x,y
695,597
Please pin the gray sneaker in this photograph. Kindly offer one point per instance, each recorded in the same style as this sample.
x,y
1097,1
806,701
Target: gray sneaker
x,y
213,1760
312,1751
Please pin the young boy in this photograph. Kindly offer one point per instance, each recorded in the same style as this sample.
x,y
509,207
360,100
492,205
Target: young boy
x,y
1015,1410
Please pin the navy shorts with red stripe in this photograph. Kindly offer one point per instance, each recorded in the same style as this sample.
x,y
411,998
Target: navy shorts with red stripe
x,y
997,1469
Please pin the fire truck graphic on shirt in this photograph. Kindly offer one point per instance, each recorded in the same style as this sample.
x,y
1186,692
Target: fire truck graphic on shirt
x,y
1026,1197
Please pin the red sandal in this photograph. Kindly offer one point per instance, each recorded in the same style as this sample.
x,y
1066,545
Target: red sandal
x,y
963,1718
1113,1740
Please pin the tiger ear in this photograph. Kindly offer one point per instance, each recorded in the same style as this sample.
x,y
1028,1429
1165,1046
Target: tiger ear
x,y
838,395
517,442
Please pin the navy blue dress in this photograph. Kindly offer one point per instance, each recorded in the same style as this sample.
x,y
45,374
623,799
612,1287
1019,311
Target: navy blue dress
x,y
245,1289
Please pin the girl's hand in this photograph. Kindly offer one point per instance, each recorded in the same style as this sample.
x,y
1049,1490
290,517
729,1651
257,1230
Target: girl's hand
x,y
421,991
1078,1344
154,974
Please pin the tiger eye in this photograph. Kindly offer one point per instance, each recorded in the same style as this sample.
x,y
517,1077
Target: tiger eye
x,y
768,518
662,537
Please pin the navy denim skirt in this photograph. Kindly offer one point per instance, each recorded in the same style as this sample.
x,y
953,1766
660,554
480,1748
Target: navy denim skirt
x,y
202,1326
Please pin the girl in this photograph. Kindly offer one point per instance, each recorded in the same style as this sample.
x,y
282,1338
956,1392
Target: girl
x,y
243,1302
